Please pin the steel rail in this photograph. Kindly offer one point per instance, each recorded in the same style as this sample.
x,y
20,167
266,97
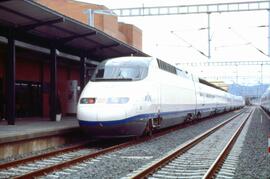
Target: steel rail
x,y
224,153
180,150
43,156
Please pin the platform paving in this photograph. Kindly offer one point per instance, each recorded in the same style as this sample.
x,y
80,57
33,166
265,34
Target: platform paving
x,y
27,128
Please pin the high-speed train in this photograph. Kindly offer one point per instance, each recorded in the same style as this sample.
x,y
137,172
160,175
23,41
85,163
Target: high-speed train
x,y
265,100
131,96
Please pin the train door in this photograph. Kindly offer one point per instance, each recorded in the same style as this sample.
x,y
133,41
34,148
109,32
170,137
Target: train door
x,y
28,99
195,85
155,100
155,97
158,106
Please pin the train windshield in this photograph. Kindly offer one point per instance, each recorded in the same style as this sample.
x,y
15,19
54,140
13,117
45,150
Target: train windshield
x,y
121,70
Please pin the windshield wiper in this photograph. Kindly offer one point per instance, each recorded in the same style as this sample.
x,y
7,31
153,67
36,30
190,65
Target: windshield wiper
x,y
112,79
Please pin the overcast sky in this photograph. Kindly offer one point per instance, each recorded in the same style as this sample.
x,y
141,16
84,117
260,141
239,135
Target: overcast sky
x,y
235,36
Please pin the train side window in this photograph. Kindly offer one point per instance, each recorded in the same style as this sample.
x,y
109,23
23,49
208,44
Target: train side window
x,y
210,96
166,67
182,74
179,73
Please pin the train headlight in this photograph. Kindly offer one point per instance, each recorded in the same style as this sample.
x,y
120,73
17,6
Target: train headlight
x,y
118,100
87,100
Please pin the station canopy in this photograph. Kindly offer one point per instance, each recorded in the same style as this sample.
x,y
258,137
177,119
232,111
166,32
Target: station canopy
x,y
30,22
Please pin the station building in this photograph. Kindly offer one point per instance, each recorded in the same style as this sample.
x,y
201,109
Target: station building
x,y
48,52
109,24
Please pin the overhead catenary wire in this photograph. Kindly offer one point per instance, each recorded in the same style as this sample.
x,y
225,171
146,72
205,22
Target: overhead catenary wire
x,y
218,28
249,43
170,45
174,32
190,45
242,38
232,45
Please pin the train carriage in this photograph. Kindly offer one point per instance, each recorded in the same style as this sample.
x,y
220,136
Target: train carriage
x,y
131,96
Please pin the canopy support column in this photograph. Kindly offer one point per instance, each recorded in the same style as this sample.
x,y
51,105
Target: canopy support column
x,y
53,84
10,80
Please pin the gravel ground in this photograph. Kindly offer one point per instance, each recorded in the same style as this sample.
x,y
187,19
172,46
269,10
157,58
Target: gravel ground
x,y
120,163
254,159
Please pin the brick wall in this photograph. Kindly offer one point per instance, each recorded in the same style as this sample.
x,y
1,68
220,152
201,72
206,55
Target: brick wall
x,y
134,34
127,33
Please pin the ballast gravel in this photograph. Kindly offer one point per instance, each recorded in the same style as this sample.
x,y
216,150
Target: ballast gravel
x,y
254,160
123,162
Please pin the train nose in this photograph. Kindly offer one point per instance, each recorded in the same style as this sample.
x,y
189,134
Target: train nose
x,y
109,113
102,109
101,113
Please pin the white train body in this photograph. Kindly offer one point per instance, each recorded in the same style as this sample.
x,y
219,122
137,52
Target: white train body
x,y
128,94
265,100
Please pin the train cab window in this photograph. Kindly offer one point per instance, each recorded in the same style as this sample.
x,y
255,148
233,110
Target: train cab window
x,y
100,73
129,72
122,70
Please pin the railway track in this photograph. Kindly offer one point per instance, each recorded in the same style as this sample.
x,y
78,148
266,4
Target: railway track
x,y
201,157
67,160
45,163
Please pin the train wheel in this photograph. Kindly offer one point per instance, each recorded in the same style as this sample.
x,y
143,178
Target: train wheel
x,y
148,131
199,115
188,118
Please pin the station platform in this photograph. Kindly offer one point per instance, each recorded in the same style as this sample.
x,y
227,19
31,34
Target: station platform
x,y
33,134
27,128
